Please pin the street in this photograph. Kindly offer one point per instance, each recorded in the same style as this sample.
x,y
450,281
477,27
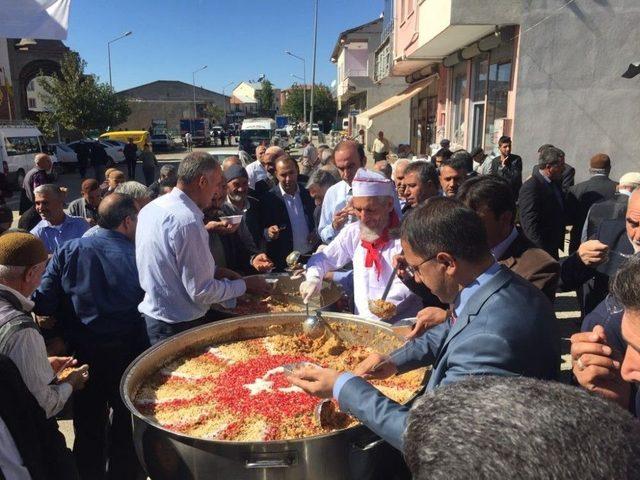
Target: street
x,y
72,182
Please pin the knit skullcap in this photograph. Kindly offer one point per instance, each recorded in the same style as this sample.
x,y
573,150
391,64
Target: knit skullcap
x,y
21,250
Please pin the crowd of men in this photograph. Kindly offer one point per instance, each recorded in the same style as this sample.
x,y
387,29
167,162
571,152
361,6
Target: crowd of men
x,y
468,244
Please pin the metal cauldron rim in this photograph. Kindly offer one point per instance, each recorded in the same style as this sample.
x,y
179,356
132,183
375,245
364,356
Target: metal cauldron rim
x,y
197,440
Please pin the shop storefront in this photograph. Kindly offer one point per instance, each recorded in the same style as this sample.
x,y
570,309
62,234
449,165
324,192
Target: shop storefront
x,y
479,99
424,108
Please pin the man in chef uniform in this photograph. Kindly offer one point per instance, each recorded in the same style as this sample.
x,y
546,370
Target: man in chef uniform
x,y
370,244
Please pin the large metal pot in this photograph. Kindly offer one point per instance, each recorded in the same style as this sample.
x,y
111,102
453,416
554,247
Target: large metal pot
x,y
345,454
284,284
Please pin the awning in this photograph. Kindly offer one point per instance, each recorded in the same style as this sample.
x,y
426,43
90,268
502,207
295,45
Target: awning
x,y
392,102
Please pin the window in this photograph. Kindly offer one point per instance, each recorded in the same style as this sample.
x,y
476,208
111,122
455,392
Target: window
x,y
21,145
383,62
32,102
458,103
498,85
479,68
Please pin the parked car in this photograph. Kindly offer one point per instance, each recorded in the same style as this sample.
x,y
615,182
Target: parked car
x,y
113,149
162,141
221,153
140,137
283,133
65,154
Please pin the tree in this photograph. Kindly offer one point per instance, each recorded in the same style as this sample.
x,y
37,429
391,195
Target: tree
x,y
265,97
79,101
324,104
214,113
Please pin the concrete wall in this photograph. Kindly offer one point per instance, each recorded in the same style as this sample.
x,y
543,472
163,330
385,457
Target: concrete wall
x,y
570,92
395,123
142,113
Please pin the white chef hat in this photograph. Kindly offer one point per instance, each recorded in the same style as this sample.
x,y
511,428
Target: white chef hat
x,y
371,184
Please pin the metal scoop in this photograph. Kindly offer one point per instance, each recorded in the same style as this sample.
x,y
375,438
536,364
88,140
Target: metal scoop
x,y
326,415
378,310
292,258
314,326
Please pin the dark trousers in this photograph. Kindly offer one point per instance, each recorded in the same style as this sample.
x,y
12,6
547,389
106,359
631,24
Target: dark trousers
x,y
149,175
157,330
102,423
131,168
82,166
99,169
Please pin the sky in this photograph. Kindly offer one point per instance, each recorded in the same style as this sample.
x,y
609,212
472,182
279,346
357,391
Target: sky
x,y
238,40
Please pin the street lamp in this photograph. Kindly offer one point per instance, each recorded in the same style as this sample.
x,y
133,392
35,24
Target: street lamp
x,y
193,77
304,80
125,34
304,96
230,83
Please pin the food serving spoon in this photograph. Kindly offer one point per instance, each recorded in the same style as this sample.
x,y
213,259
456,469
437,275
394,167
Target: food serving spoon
x,y
379,311
314,325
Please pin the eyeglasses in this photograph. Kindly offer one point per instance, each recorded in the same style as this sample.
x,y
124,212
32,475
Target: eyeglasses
x,y
411,270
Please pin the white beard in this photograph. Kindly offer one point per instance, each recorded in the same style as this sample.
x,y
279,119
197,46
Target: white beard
x,y
636,246
367,234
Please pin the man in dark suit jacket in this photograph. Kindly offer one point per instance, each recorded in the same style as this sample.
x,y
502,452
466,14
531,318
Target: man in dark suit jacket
x,y
507,165
583,195
597,259
493,201
590,267
287,211
614,209
541,204
500,324
569,174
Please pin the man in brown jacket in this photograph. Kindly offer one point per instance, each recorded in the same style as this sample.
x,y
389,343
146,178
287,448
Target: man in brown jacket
x,y
492,199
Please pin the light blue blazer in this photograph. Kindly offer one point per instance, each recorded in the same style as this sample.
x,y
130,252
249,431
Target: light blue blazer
x,y
507,328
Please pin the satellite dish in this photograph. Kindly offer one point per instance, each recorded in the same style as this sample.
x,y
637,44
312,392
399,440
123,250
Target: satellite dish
x,y
333,83
261,77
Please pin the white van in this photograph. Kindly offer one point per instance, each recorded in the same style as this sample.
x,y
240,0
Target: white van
x,y
254,131
19,144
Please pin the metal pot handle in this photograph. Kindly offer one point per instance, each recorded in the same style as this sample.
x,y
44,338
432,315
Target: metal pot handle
x,y
286,460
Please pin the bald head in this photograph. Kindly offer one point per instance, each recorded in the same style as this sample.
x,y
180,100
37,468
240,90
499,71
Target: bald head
x,y
118,212
268,160
274,151
43,161
232,160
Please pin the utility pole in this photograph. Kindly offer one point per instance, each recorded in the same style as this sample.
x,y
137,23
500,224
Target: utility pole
x,y
313,74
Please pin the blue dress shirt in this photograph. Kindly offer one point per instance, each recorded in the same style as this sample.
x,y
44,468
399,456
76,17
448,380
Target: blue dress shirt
x,y
55,235
94,281
175,265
